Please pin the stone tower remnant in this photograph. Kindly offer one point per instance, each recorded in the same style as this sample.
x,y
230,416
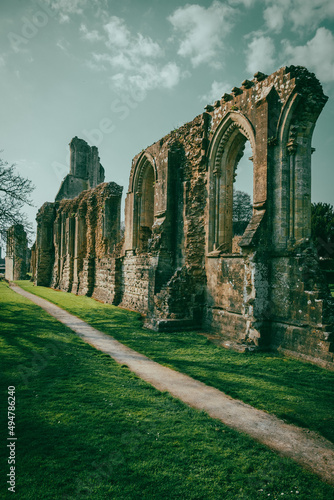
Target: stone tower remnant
x,y
78,234
86,172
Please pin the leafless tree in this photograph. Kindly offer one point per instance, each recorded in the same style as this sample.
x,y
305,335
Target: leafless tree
x,y
15,193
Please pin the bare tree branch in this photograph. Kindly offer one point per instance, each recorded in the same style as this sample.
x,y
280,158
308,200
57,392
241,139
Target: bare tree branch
x,y
15,193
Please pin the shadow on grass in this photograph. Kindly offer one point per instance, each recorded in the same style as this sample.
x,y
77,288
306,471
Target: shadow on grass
x,y
298,392
89,428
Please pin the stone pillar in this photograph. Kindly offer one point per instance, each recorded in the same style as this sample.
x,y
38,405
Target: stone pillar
x,y
57,245
44,244
33,262
68,256
217,174
79,247
292,148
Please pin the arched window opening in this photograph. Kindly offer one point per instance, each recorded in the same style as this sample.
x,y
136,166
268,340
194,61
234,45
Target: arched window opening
x,y
144,207
242,195
231,200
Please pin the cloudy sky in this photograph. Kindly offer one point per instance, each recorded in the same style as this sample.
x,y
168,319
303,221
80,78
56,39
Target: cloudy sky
x,y
121,74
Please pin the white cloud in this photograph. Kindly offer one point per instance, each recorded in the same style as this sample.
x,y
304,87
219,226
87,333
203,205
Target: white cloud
x,y
118,80
120,40
92,36
64,18
170,75
317,54
118,33
274,17
149,77
145,47
134,60
119,61
95,66
216,91
2,61
202,31
260,54
302,13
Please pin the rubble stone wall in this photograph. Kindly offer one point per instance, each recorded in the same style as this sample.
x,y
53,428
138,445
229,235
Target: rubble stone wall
x,y
137,282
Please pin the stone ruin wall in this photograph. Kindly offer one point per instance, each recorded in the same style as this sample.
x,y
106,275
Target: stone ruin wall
x,y
176,240
78,243
17,255
179,263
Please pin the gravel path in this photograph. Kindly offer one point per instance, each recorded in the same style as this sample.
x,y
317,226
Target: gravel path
x,y
305,447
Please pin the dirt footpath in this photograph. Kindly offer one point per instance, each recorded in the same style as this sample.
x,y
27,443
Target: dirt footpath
x,y
305,447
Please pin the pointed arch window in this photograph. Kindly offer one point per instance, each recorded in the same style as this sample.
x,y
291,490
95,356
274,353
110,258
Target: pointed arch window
x,y
144,206
228,149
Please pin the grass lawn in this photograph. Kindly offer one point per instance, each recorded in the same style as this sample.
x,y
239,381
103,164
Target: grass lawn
x,y
297,392
87,427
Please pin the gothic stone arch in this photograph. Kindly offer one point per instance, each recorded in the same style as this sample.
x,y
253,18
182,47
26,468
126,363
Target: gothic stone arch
x,y
140,203
143,214
226,150
256,297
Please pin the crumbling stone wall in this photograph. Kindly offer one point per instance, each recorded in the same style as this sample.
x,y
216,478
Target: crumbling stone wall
x,y
299,291
16,253
181,264
176,238
77,243
249,290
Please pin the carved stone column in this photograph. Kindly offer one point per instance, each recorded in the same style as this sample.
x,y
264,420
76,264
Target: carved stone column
x,y
292,148
217,174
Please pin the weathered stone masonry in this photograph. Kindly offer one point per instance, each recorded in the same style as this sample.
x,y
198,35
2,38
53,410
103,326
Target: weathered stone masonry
x,y
16,260
179,263
85,170
78,245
